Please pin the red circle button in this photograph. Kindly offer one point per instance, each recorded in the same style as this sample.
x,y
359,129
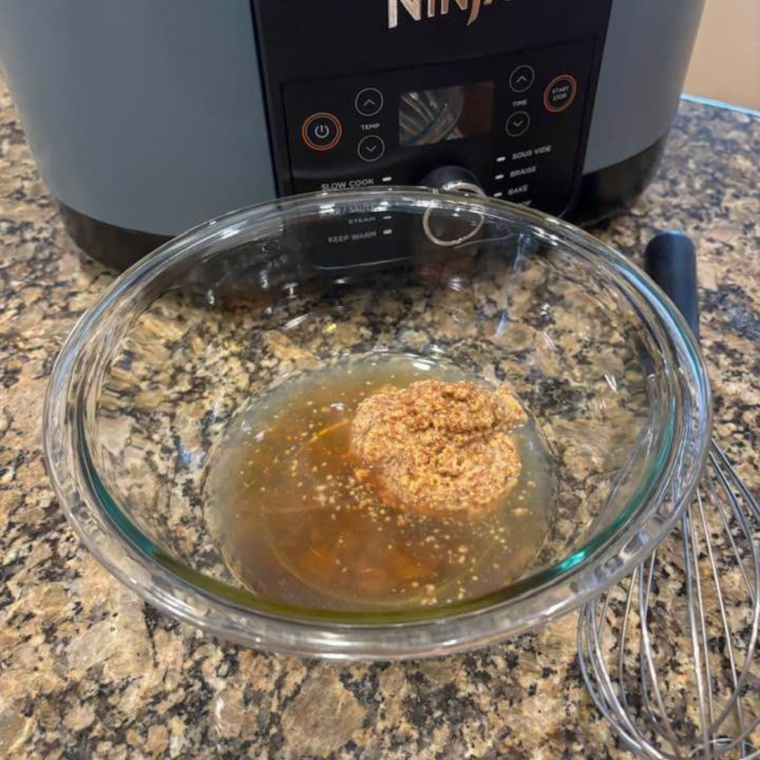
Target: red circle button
x,y
560,93
322,131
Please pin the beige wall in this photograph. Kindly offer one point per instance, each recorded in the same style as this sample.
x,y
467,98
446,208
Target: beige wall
x,y
726,63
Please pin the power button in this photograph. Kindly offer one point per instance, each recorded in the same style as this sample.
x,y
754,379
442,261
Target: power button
x,y
322,131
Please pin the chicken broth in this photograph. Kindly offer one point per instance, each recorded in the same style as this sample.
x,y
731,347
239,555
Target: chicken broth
x,y
297,526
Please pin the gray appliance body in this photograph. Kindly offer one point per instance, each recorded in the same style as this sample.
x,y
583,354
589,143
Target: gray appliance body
x,y
147,118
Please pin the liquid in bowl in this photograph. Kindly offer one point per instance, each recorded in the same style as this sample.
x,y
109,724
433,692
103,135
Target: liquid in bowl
x,y
296,526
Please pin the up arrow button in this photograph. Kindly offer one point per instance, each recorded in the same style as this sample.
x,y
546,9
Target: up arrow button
x,y
522,78
369,102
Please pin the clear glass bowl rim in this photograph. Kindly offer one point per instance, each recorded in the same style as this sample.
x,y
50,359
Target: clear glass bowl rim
x,y
175,589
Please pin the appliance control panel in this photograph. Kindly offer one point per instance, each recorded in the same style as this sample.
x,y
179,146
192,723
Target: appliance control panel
x,y
516,121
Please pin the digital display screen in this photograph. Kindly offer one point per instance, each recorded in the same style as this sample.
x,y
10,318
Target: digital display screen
x,y
447,113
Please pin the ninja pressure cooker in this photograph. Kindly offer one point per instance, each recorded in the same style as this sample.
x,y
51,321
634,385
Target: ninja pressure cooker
x,y
147,117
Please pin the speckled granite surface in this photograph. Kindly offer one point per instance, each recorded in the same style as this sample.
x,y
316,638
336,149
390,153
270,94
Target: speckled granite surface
x,y
88,671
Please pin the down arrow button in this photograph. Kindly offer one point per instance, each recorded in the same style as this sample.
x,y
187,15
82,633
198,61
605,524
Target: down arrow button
x,y
518,124
371,149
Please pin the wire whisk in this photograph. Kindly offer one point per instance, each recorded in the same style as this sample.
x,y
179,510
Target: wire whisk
x,y
701,586
670,655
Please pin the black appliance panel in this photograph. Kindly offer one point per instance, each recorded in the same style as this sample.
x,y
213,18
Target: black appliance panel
x,y
516,122
305,45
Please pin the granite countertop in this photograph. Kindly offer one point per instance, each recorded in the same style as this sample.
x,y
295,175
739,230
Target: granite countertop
x,y
89,671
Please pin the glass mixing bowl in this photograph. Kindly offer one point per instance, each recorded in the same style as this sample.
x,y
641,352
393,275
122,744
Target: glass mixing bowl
x,y
153,373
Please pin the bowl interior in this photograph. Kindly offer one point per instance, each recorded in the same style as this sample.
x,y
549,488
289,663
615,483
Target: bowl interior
x,y
254,301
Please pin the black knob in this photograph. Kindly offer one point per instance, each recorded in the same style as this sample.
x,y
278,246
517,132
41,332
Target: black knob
x,y
452,179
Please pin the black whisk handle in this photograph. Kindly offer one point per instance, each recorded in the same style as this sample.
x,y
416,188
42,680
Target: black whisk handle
x,y
671,261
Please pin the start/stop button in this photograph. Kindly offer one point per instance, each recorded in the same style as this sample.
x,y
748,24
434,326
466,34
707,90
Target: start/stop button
x,y
560,93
